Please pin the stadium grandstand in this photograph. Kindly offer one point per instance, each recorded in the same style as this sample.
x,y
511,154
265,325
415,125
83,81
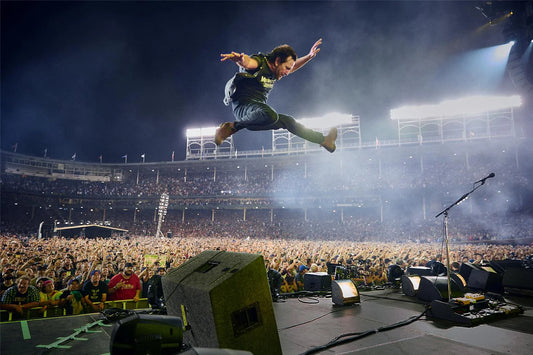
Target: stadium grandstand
x,y
397,185
364,210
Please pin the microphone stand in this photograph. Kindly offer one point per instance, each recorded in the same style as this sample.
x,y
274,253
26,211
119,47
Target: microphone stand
x,y
445,213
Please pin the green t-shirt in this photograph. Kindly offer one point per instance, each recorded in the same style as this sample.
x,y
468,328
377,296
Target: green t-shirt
x,y
254,84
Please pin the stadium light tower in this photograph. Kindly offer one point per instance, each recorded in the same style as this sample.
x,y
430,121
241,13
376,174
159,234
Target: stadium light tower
x,y
333,119
451,108
201,144
162,212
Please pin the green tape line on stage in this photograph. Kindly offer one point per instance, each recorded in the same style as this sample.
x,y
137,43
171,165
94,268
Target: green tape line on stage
x,y
25,330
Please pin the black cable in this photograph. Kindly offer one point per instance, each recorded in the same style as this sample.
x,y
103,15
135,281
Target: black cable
x,y
338,341
113,314
312,300
311,320
389,298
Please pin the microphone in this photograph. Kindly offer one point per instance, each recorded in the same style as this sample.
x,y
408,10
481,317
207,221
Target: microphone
x,y
482,181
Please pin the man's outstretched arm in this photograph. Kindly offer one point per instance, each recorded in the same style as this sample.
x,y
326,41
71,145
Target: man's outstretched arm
x,y
241,59
300,62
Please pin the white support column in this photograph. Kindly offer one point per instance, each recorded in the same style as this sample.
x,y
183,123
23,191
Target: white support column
x,y
424,206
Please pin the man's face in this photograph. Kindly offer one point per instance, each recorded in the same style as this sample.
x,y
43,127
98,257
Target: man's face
x,y
282,69
95,278
23,285
49,287
128,270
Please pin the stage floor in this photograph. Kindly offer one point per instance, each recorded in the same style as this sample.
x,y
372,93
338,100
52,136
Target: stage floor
x,y
308,322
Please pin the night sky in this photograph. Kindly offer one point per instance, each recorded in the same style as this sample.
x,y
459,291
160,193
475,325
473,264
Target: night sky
x,y
117,78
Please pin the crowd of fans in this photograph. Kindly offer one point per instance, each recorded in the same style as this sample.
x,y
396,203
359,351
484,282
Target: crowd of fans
x,y
363,235
79,272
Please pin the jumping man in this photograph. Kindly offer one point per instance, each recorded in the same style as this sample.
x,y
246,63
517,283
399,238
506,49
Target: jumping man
x,y
248,90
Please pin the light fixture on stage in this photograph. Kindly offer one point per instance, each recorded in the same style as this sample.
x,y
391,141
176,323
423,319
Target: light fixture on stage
x,y
147,334
502,52
410,284
344,292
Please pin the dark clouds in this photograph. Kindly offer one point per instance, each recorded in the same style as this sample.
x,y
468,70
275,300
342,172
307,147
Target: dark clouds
x,y
130,77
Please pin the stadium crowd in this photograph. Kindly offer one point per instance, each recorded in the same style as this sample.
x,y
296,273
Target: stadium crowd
x,y
380,223
59,267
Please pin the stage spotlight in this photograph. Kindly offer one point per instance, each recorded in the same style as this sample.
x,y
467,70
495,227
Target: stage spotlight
x,y
410,285
502,52
147,334
344,292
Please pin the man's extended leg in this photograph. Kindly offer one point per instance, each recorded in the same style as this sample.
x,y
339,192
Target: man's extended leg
x,y
298,129
256,116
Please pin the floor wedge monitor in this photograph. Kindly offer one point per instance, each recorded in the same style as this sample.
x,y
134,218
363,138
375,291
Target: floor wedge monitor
x,y
225,302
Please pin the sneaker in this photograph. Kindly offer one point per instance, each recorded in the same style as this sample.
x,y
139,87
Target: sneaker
x,y
329,140
224,131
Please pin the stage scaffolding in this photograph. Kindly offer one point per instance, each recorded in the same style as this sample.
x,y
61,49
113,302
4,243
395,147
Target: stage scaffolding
x,y
487,125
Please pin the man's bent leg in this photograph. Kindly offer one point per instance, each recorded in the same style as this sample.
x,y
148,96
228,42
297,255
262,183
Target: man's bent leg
x,y
328,141
255,116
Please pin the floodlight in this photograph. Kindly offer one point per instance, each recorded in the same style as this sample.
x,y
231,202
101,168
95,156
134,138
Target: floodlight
x,y
451,108
201,132
331,119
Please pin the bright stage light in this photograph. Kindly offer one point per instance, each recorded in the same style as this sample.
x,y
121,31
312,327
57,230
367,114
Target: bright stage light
x,y
201,132
332,119
502,52
451,108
